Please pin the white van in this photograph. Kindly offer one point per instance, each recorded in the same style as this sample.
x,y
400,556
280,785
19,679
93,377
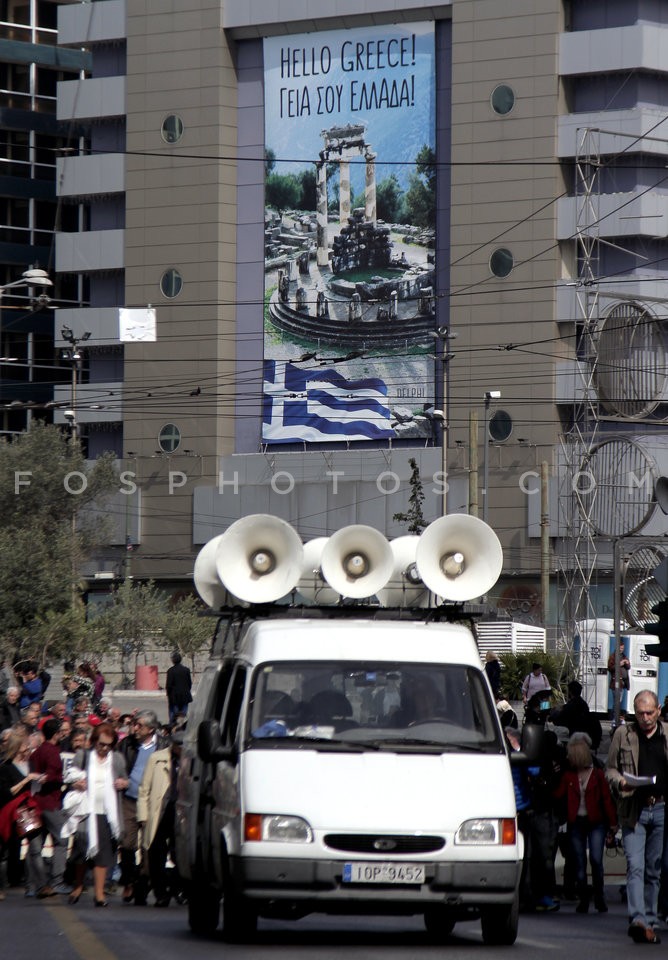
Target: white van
x,y
347,761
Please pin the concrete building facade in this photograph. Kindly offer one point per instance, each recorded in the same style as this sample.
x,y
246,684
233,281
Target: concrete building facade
x,y
528,100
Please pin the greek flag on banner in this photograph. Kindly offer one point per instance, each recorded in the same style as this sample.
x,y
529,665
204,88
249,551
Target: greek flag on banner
x,y
322,405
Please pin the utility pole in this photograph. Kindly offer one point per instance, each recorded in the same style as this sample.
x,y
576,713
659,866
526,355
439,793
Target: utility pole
x,y
444,335
74,356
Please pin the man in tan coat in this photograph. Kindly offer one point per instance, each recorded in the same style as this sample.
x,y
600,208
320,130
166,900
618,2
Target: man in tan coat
x,y
155,815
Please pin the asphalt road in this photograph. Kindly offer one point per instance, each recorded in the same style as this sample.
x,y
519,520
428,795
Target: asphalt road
x,y
33,929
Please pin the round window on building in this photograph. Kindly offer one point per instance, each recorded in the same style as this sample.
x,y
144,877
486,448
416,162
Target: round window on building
x,y
169,438
502,99
172,128
171,283
501,262
500,426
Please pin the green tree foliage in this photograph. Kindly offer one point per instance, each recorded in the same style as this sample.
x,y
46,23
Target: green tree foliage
x,y
60,635
420,198
413,517
515,667
186,629
44,536
136,615
389,200
308,199
282,192
269,161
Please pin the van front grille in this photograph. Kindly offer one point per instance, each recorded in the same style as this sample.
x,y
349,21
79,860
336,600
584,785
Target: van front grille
x,y
383,844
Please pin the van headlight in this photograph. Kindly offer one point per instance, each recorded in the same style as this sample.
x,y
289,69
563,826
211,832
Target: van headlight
x,y
486,832
278,827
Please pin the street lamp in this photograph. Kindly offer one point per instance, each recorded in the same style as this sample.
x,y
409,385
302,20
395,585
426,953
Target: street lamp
x,y
444,335
489,396
34,277
74,356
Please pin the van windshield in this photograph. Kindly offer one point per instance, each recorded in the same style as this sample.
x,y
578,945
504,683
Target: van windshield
x,y
374,705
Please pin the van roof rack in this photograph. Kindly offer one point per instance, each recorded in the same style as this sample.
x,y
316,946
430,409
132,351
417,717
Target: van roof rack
x,y
231,619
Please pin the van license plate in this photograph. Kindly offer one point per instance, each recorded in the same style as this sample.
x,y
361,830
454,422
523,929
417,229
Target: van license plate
x,y
363,872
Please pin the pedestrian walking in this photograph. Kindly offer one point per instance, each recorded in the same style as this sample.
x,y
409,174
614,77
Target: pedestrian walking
x,y
178,687
637,771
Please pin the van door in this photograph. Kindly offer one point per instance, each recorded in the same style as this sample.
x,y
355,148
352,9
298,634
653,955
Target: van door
x,y
195,777
226,817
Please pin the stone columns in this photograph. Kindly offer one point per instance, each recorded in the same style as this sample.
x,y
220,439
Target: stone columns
x,y
370,186
322,257
344,191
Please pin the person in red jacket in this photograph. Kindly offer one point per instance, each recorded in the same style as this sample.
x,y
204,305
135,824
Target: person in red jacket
x,y
590,814
46,760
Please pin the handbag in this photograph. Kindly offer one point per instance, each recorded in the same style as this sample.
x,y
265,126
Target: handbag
x,y
27,820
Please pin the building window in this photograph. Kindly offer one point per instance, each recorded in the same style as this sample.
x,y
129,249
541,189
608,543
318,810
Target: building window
x,y
172,128
500,426
171,283
169,438
502,99
501,262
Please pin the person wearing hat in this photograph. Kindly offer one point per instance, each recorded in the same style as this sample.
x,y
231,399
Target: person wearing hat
x,y
155,815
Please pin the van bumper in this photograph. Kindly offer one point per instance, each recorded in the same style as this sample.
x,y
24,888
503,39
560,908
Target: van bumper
x,y
457,884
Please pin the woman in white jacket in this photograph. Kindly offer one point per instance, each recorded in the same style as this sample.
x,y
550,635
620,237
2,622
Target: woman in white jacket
x,y
100,818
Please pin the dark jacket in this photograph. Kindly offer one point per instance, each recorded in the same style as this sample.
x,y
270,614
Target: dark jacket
x,y
576,717
129,748
178,685
10,713
493,671
623,758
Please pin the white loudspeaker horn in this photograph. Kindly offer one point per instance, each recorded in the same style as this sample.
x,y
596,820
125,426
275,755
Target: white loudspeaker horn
x,y
404,588
259,558
357,561
459,557
205,575
312,585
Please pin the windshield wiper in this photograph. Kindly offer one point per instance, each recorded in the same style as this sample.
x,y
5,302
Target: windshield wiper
x,y
445,747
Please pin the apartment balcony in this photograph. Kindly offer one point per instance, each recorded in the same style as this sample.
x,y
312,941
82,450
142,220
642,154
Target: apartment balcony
x,y
614,49
97,98
616,215
91,176
648,291
95,403
100,322
87,24
613,132
90,252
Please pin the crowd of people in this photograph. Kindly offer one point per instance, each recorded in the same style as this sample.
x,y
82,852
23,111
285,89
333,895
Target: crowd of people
x,y
577,803
87,794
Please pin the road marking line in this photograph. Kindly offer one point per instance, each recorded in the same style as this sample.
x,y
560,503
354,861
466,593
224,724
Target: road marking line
x,y
83,941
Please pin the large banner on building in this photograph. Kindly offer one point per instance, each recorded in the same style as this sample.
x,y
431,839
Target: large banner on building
x,y
350,184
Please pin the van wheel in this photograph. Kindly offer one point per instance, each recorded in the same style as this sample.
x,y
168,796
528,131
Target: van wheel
x,y
203,908
239,917
499,924
439,922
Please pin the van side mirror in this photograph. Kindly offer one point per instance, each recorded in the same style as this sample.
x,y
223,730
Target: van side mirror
x,y
210,748
533,736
